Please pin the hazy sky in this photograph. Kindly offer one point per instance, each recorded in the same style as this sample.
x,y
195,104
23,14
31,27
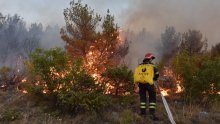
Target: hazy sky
x,y
51,11
154,15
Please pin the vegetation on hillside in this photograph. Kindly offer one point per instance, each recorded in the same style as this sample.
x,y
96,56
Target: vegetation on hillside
x,y
87,83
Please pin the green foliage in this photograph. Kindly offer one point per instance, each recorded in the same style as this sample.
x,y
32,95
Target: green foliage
x,y
110,29
81,101
81,21
84,38
128,100
121,78
200,75
4,74
41,66
80,32
209,77
54,76
183,62
10,115
53,71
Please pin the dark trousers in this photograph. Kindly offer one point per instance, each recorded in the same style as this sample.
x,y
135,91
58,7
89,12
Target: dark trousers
x,y
143,98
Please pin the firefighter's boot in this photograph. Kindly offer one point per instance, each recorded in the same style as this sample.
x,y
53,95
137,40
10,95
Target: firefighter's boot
x,y
152,115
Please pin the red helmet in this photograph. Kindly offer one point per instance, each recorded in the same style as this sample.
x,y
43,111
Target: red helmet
x,y
149,56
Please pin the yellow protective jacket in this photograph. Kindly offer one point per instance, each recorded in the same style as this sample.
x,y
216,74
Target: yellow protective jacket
x,y
144,73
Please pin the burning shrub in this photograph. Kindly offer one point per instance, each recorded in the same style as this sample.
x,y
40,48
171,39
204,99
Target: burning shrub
x,y
49,71
200,75
53,71
8,78
56,77
209,77
83,38
119,80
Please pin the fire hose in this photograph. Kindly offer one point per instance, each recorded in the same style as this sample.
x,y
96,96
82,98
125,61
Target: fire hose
x,y
170,116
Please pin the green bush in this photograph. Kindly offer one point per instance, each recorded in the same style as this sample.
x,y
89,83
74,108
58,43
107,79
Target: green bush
x,y
81,101
200,75
128,100
209,78
10,115
4,74
121,78
55,77
53,71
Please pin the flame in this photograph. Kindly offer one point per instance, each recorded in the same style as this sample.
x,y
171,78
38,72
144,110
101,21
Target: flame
x,y
121,37
24,80
179,89
94,62
164,92
169,74
95,75
45,91
3,86
24,91
109,88
37,83
90,53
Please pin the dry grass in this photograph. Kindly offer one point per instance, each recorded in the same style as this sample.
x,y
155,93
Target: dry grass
x,y
195,114
35,114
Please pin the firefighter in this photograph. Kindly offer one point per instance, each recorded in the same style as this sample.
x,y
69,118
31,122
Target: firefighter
x,y
145,74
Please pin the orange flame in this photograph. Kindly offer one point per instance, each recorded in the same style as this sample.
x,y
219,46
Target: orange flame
x,y
179,89
24,91
91,63
164,92
169,74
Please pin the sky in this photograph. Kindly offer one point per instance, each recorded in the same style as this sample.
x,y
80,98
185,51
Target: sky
x,y
51,11
153,15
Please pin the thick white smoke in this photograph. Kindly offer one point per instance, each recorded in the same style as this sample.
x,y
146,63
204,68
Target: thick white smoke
x,y
155,15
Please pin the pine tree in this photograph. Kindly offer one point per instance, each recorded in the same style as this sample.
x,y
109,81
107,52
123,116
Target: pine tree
x,y
99,46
